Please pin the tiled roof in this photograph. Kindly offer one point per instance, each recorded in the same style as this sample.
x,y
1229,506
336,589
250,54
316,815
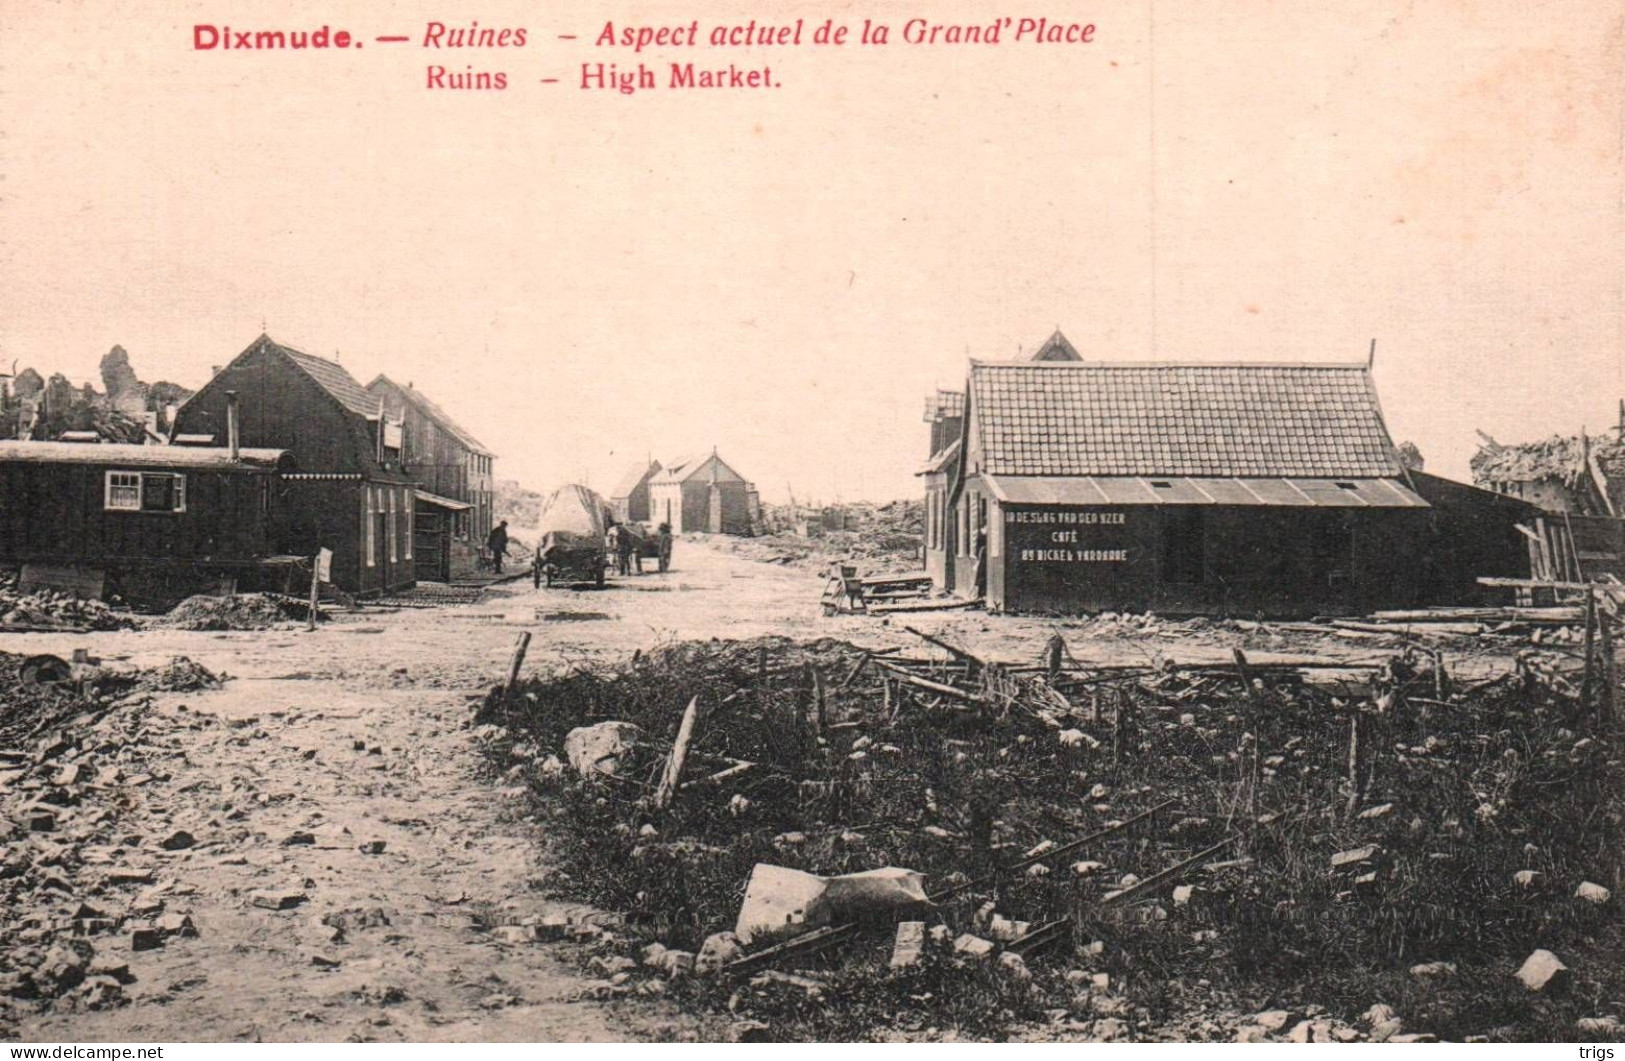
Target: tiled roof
x,y
1180,419
435,413
333,378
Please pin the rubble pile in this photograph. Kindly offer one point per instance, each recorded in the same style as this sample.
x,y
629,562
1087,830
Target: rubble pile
x,y
80,895
1099,845
49,609
880,538
239,611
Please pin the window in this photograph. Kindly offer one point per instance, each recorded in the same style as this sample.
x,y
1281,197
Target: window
x,y
407,504
369,531
1184,544
123,491
145,492
393,530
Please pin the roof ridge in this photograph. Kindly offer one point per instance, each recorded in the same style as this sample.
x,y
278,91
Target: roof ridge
x,y
1046,366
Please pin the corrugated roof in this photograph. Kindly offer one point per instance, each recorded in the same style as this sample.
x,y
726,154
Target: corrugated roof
x,y
1200,490
1305,421
435,413
442,502
131,456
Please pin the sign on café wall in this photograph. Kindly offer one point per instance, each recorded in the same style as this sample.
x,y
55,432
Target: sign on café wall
x,y
1067,536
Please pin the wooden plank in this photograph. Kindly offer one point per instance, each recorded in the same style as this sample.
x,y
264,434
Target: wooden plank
x,y
808,943
1163,877
924,683
1535,583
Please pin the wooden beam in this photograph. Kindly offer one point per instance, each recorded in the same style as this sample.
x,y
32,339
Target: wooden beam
x,y
1163,877
924,683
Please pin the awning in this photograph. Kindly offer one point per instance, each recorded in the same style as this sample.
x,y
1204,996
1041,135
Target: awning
x,y
1180,490
443,502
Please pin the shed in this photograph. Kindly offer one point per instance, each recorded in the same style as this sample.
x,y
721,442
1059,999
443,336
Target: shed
x,y
141,518
1181,488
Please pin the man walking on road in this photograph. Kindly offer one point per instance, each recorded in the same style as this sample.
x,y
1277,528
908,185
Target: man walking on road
x,y
497,545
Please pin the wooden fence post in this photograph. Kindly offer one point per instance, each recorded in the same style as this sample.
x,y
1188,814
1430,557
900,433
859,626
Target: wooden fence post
x,y
818,701
519,648
1356,766
672,775
1590,649
315,589
1610,681
1255,770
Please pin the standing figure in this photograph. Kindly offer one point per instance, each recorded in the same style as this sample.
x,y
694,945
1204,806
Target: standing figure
x,y
664,541
620,543
497,545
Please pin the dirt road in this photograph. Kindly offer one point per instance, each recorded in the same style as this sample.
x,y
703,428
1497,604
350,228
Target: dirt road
x,y
335,774
335,767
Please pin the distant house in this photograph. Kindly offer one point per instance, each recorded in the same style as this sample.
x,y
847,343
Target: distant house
x,y
703,494
452,469
630,501
1079,486
945,412
132,520
349,493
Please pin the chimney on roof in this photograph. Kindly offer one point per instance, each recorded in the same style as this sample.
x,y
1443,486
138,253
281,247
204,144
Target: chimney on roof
x,y
232,439
214,370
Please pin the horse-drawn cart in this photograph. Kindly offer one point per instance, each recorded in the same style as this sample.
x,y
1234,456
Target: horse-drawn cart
x,y
571,549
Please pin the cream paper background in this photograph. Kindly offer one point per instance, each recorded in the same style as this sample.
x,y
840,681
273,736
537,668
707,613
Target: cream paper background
x,y
584,278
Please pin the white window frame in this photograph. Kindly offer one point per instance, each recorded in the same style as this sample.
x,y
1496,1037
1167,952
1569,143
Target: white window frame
x,y
407,502
371,533
178,487
392,529
108,484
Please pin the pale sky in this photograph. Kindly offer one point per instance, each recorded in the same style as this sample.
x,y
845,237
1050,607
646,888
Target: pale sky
x,y
583,278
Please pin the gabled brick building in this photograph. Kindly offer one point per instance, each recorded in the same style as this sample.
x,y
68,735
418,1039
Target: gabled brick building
x,y
349,493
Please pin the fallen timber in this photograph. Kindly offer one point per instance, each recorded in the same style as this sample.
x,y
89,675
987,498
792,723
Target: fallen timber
x,y
832,794
1156,880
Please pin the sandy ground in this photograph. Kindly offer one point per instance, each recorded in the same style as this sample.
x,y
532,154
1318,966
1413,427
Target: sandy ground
x,y
355,734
